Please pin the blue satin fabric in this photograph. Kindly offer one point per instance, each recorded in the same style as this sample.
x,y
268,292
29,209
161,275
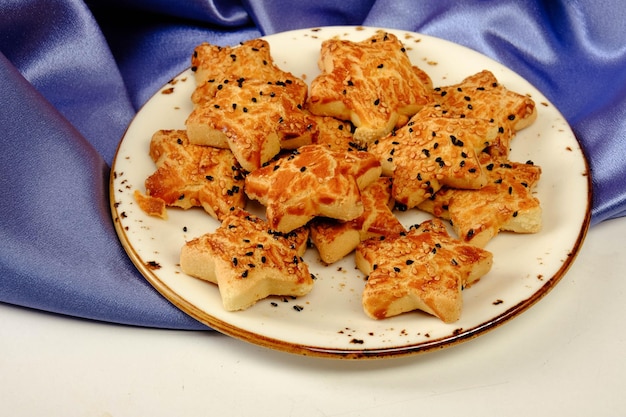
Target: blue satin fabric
x,y
75,72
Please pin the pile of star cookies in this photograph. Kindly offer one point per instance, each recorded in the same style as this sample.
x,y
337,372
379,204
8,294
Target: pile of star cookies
x,y
331,163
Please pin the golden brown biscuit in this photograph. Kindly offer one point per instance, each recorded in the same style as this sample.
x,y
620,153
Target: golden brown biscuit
x,y
430,152
481,96
371,83
334,239
248,261
245,102
505,203
422,269
215,66
255,119
312,181
191,176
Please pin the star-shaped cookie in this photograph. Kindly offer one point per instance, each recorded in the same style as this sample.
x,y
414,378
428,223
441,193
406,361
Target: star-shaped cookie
x,y
246,103
422,269
254,118
214,66
248,261
481,96
430,152
372,83
312,181
505,203
191,176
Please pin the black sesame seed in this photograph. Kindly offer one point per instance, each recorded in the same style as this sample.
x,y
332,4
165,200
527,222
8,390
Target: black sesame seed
x,y
456,142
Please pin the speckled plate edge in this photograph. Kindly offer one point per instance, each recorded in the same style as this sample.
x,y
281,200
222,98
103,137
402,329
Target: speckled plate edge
x,y
455,336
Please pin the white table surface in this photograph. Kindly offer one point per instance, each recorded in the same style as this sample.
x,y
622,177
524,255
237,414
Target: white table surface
x,y
562,357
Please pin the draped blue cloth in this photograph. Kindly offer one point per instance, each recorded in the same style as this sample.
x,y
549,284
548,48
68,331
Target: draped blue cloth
x,y
74,73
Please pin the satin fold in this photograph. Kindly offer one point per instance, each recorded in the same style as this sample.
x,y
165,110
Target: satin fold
x,y
60,252
74,73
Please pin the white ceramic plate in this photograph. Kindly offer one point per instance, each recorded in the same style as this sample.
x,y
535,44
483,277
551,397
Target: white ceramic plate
x,y
330,321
